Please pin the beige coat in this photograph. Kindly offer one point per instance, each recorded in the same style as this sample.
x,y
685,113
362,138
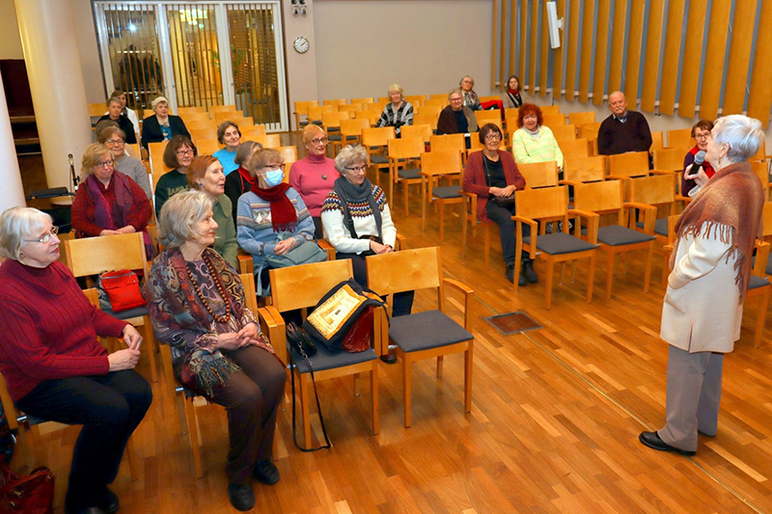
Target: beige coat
x,y
702,310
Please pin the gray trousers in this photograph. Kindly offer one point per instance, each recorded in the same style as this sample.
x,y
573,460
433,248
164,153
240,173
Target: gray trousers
x,y
693,397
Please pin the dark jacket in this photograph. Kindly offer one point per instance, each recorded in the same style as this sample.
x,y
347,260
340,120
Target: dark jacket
x,y
151,129
125,125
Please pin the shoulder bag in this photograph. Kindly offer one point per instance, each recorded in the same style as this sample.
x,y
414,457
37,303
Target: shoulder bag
x,y
119,291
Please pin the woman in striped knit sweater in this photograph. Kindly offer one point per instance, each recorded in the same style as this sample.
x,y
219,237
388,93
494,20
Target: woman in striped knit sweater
x,y
533,142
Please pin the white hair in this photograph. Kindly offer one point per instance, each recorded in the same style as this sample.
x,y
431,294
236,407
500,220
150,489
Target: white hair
x,y
16,224
179,216
743,135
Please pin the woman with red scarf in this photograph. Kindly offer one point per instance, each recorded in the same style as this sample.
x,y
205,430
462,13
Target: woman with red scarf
x,y
109,202
270,209
511,97
240,181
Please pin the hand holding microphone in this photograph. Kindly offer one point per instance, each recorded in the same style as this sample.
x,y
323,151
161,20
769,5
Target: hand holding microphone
x,y
695,171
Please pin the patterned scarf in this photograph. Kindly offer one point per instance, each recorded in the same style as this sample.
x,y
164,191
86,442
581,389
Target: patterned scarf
x,y
729,206
351,193
284,217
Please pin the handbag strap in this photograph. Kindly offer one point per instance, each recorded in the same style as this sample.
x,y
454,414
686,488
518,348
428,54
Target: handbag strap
x,y
318,406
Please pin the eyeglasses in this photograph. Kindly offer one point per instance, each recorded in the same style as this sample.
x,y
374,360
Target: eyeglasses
x,y
320,141
275,166
358,169
456,99
493,137
185,152
104,164
113,142
702,136
45,238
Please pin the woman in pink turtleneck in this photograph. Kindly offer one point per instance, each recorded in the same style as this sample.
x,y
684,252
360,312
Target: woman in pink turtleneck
x,y
314,175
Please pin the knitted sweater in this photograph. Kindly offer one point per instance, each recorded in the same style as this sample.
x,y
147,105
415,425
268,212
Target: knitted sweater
x,y
50,328
306,177
391,118
84,210
615,137
225,242
136,171
364,222
528,148
227,159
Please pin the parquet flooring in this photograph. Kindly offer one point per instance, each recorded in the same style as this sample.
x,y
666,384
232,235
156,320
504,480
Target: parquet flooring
x,y
553,429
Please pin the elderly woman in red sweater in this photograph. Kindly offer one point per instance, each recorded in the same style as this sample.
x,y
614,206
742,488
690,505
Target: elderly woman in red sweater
x,y
53,364
108,202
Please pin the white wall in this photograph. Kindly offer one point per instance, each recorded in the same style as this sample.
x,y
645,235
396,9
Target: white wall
x,y
10,42
426,46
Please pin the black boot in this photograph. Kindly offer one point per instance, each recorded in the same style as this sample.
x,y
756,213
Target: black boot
x,y
529,272
510,273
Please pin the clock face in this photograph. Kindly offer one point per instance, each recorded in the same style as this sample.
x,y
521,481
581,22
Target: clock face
x,y
301,44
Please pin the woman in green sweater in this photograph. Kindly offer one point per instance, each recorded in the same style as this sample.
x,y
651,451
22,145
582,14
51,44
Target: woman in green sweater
x,y
533,142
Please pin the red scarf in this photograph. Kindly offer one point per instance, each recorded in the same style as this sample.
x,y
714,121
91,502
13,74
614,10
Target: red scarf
x,y
513,91
283,214
245,178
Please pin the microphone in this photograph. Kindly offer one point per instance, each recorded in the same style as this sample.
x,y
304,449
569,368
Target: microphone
x,y
699,158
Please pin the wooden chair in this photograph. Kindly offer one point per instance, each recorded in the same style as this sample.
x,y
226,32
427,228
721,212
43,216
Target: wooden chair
x,y
576,148
583,169
331,124
606,197
290,155
349,107
550,203
351,130
195,117
553,120
182,111
435,165
550,109
439,102
657,141
221,108
431,110
626,166
202,132
221,116
456,142
761,287
335,102
539,174
376,141
299,287
372,116
562,132
681,138
98,110
28,428
243,121
301,109
761,171
415,100
315,113
589,131
670,160
493,116
251,132
581,118
401,153
430,119
659,191
440,96
94,255
268,140
208,146
367,100
424,131
156,161
760,155
428,334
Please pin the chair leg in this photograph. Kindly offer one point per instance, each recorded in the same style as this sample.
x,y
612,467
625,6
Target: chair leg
x,y
440,361
375,392
423,206
442,220
356,385
488,250
134,467
468,355
406,388
761,318
151,346
609,272
193,435
518,266
647,272
304,399
590,277
464,223
405,190
548,283
27,445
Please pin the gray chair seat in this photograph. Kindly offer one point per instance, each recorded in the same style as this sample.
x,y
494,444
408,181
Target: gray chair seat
x,y
660,226
426,330
333,137
131,313
559,243
410,173
317,122
324,359
379,159
617,235
756,282
447,192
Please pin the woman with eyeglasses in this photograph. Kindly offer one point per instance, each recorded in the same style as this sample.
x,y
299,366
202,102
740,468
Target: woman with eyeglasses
x,y
108,202
178,155
701,133
53,364
272,216
493,176
314,175
115,140
533,142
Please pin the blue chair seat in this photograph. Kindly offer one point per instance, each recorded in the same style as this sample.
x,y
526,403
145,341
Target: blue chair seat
x,y
660,226
426,330
756,282
410,173
559,243
447,192
324,359
617,235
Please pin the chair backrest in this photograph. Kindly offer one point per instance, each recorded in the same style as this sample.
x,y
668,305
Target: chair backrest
x,y
194,117
422,119
290,154
367,100
97,110
302,107
448,142
333,119
190,110
406,148
760,155
208,146
653,190
574,147
581,118
629,164
315,111
484,117
353,127
539,174
371,116
681,138
434,110
349,107
298,287
243,121
476,145
415,100
671,159
94,255
657,141
439,96
156,156
337,101
221,108
547,202
441,162
221,116
560,131
202,132
423,130
379,136
589,130
601,197
553,120
761,171
584,169
766,220
247,133
439,102
268,140
406,270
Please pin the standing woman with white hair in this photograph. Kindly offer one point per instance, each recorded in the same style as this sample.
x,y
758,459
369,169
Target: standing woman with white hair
x,y
711,267
398,112
162,126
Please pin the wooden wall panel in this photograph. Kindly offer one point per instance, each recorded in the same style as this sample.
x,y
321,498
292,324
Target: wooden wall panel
x,y
513,38
503,50
557,73
711,81
534,45
739,57
545,52
601,50
573,44
690,77
523,39
651,65
675,21
633,68
760,101
503,59
585,61
617,48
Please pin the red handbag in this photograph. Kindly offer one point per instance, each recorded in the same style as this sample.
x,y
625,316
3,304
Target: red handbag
x,y
119,291
359,337
30,494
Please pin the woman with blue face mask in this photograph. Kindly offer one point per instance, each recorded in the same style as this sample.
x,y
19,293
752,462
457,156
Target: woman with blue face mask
x,y
269,209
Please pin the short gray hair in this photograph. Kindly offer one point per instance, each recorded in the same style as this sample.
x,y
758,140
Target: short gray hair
x,y
349,156
179,215
245,152
16,224
743,135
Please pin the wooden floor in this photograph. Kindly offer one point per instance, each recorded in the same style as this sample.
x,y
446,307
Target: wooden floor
x,y
554,424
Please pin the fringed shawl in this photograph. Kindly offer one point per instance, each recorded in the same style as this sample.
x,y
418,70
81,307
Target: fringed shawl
x,y
729,207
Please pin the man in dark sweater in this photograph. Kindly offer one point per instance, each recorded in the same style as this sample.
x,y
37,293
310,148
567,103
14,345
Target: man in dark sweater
x,y
623,131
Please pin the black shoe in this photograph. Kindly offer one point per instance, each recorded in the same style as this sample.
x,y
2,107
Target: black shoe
x,y
510,274
389,358
242,496
652,440
266,472
521,280
529,272
109,502
90,510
